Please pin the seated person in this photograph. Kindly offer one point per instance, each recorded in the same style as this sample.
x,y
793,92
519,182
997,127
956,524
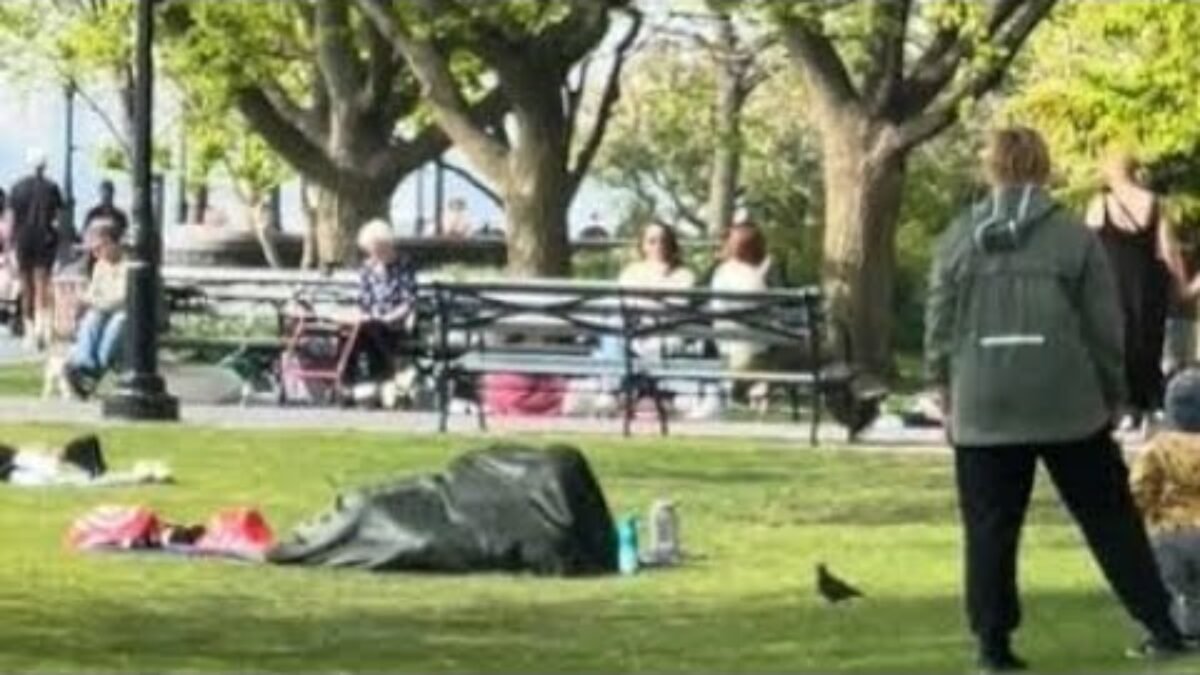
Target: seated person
x,y
387,291
101,331
658,264
1166,486
744,267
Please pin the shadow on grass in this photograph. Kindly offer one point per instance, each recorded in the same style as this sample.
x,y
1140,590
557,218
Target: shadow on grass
x,y
622,632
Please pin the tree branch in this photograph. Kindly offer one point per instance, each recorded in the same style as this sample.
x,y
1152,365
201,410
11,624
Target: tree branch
x,y
441,92
937,66
403,156
608,100
285,137
474,182
109,123
819,62
382,65
336,53
1009,39
889,26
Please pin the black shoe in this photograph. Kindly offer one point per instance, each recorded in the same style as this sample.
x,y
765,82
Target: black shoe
x,y
1006,662
77,381
84,452
1159,649
996,656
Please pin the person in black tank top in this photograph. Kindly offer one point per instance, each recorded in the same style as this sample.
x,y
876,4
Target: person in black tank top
x,y
1145,263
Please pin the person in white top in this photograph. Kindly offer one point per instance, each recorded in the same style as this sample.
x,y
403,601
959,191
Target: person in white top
x,y
660,261
744,267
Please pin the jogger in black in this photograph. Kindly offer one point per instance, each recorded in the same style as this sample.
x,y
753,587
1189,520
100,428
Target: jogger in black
x,y
994,485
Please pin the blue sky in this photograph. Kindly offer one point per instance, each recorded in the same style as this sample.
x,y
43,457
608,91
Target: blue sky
x,y
32,117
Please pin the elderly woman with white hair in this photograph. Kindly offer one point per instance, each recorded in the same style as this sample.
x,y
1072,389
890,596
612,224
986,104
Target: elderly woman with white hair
x,y
387,289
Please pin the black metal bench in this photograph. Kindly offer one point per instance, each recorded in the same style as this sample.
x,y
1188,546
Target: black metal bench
x,y
558,323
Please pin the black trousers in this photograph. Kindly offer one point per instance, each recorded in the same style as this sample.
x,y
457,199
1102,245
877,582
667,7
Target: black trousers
x,y
376,342
994,486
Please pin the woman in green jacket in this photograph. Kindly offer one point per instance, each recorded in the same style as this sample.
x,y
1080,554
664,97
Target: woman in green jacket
x,y
1024,339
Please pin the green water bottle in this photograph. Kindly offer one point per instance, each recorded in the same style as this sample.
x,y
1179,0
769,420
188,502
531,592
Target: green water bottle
x,y
627,545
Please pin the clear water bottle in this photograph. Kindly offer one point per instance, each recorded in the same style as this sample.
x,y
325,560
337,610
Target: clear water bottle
x,y
627,545
665,545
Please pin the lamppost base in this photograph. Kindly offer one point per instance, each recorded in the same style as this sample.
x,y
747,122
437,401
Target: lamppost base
x,y
149,406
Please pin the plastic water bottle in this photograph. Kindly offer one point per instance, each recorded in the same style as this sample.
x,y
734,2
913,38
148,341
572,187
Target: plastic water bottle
x,y
665,545
627,545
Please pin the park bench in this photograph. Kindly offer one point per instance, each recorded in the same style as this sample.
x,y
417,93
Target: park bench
x,y
552,328
258,319
244,317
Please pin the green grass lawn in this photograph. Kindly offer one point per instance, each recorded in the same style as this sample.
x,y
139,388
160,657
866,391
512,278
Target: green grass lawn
x,y
757,516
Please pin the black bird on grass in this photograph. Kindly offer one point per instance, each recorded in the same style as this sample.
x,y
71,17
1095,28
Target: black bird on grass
x,y
833,589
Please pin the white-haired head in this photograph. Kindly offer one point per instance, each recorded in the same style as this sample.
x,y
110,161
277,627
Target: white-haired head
x,y
36,158
375,234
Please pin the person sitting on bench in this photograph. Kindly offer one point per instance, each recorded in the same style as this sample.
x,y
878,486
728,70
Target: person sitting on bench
x,y
387,288
101,332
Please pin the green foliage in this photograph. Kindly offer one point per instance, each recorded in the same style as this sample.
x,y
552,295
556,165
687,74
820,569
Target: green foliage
x,y
1117,74
942,180
660,148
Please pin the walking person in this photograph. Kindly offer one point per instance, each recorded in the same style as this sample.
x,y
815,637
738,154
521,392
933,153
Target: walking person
x,y
1024,343
36,204
108,211
1146,259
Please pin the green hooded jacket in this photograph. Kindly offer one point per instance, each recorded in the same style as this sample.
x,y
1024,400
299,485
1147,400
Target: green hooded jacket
x,y
1023,325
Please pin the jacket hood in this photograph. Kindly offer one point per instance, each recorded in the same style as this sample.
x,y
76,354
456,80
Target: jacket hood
x,y
1003,221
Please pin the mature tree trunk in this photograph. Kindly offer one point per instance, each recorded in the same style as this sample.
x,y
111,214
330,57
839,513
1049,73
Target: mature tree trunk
x,y
533,168
340,215
538,192
871,113
309,198
864,183
727,156
199,204
536,203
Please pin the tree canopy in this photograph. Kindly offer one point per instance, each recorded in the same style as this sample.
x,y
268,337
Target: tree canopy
x,y
1117,75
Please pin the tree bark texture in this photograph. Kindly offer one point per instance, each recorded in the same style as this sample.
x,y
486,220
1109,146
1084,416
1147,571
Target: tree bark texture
x,y
864,186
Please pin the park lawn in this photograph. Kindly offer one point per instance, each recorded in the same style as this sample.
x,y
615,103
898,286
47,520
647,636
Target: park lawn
x,y
757,515
23,379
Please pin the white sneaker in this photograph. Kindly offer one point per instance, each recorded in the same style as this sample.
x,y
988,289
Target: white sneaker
x,y
365,391
388,394
707,408
30,337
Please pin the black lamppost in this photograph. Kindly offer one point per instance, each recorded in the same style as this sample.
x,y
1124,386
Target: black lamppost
x,y
141,393
439,196
67,225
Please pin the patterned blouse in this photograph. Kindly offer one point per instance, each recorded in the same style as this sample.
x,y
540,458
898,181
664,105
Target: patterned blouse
x,y
382,290
1166,482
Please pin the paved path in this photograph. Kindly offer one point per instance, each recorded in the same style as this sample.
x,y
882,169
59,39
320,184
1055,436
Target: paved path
x,y
18,410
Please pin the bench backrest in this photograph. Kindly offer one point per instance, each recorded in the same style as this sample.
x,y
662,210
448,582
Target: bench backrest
x,y
591,309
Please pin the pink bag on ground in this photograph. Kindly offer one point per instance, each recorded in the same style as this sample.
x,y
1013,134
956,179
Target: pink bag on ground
x,y
125,527
239,531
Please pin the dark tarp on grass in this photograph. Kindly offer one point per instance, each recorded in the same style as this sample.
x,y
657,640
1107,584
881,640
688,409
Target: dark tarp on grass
x,y
504,508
